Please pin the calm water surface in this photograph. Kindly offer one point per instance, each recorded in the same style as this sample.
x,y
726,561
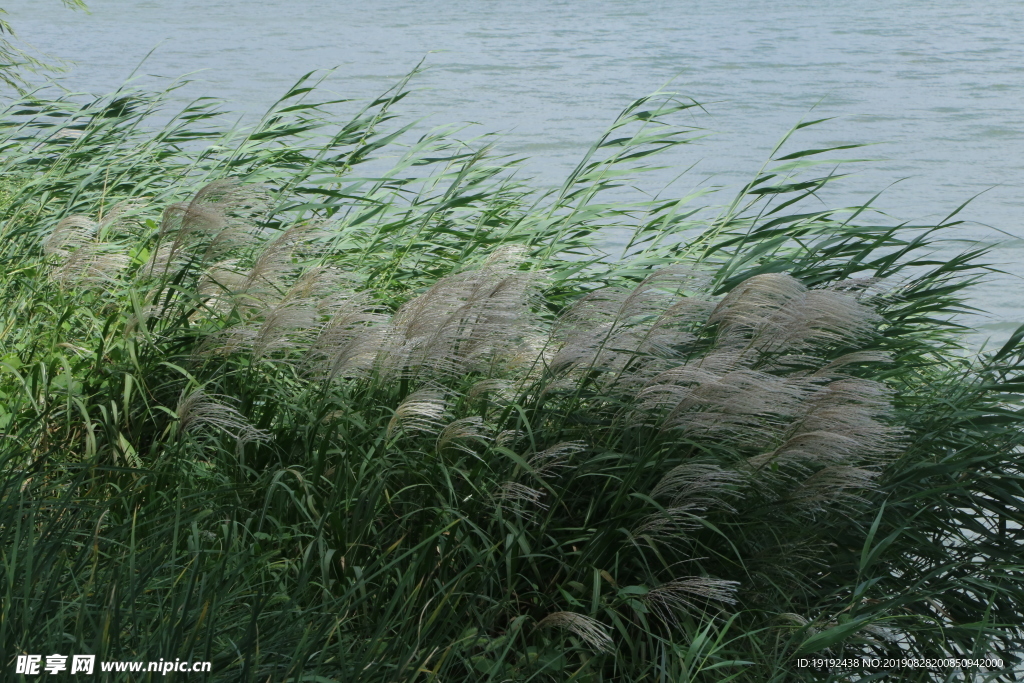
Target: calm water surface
x,y
939,84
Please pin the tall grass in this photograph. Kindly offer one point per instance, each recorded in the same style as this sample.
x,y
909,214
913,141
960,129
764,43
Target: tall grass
x,y
310,422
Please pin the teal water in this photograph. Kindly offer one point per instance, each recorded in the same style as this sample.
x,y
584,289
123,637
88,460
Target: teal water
x,y
939,85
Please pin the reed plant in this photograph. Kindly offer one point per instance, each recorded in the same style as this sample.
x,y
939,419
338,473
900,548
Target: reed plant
x,y
333,402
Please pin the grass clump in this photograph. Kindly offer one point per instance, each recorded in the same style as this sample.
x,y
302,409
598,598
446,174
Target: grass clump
x,y
309,422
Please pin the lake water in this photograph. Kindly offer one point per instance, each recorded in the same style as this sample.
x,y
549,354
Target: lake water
x,y
939,84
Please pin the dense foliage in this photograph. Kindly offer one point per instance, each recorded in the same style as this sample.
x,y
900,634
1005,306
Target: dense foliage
x,y
332,402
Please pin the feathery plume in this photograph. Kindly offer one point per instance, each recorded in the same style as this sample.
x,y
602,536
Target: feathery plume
x,y
834,485
691,488
612,328
77,255
745,406
274,330
69,234
266,278
589,630
199,409
458,432
841,423
547,462
348,343
509,437
774,312
698,485
670,524
687,595
516,495
93,264
222,285
465,321
421,411
495,387
212,223
217,211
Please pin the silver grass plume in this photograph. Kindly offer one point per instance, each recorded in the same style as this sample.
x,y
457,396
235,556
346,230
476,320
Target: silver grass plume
x,y
613,327
472,320
761,387
541,466
589,630
216,220
163,260
347,344
222,287
724,394
841,423
516,496
73,232
277,328
217,217
498,391
701,485
68,235
688,595
547,462
797,620
460,433
272,277
421,411
509,437
199,409
670,525
93,264
266,279
77,254
286,316
114,219
690,489
775,312
713,400
833,485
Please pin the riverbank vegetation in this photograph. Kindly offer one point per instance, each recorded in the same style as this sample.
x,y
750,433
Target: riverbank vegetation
x,y
337,402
